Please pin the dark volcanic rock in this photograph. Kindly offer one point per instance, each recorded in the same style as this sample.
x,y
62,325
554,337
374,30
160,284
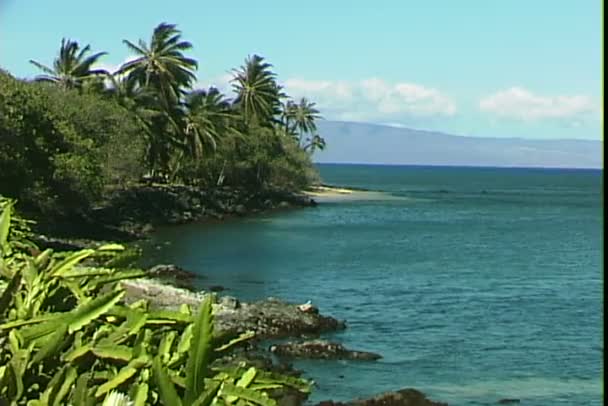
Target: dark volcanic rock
x,y
173,275
321,349
404,397
272,318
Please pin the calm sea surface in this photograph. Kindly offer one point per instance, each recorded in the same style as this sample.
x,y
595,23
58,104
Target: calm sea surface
x,y
475,284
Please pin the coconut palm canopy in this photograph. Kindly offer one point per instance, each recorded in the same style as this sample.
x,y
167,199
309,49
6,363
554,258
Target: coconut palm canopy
x,y
258,94
161,64
72,67
182,125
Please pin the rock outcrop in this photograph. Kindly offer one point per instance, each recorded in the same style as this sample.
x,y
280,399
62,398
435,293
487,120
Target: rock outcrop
x,y
404,397
321,349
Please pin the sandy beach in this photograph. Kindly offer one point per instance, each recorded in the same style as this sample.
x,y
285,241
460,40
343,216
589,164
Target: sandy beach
x,y
328,193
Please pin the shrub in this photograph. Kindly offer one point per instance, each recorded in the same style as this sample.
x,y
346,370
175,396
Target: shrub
x,y
59,149
67,338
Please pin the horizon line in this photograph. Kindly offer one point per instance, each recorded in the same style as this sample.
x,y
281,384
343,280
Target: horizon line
x,y
471,166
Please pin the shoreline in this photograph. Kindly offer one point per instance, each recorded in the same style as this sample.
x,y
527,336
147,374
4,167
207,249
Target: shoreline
x,y
270,318
132,214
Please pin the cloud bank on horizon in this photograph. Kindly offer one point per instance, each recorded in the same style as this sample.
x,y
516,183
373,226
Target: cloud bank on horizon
x,y
375,100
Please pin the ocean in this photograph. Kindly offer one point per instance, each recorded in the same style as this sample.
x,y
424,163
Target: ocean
x,y
474,284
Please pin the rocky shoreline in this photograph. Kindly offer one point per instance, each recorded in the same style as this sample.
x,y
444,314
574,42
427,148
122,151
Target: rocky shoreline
x,y
125,217
132,214
271,319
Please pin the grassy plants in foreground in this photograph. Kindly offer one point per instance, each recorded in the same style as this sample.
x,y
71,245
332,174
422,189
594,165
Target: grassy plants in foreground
x,y
67,338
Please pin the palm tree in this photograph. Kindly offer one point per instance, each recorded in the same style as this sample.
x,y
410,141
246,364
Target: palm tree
x,y
161,65
164,74
301,118
288,113
143,104
204,110
314,142
258,94
72,67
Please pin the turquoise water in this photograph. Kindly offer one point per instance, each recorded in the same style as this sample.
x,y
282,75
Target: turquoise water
x,y
476,284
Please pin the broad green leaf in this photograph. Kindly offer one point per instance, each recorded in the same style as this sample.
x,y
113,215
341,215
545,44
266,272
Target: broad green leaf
x,y
7,296
265,386
69,262
31,334
139,393
5,225
237,392
66,385
77,353
55,342
116,352
53,387
91,310
209,395
81,391
247,378
243,382
272,377
131,326
116,276
76,291
85,272
43,258
164,348
164,316
124,375
243,337
199,355
167,392
111,247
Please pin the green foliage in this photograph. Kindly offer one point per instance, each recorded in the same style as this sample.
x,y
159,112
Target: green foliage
x,y
72,68
258,94
60,149
67,142
67,338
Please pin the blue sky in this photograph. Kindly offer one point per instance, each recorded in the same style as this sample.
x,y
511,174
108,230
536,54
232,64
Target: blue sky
x,y
516,68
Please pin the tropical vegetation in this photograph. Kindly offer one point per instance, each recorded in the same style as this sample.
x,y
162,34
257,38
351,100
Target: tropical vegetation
x,y
67,336
76,131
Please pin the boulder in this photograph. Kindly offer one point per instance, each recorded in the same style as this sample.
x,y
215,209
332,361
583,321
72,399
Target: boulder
x,y
321,349
173,275
404,397
273,318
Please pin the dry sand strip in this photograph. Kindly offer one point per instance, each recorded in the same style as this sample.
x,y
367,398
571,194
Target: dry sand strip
x,y
335,193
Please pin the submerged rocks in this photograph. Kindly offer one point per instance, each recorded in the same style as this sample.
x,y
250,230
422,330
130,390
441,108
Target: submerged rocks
x,y
321,349
404,397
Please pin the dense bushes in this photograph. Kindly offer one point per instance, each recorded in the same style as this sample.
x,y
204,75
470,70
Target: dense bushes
x,y
77,132
60,149
259,160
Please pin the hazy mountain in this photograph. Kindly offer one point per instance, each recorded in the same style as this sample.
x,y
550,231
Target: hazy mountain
x,y
377,144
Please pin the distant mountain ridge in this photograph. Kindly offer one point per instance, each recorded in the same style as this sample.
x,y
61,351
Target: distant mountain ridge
x,y
349,142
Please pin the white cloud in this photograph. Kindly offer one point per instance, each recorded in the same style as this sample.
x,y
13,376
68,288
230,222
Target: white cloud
x,y
221,82
371,99
521,104
111,67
